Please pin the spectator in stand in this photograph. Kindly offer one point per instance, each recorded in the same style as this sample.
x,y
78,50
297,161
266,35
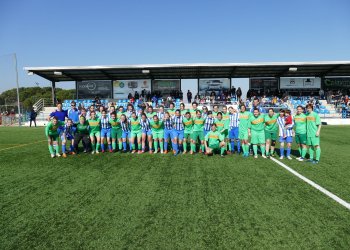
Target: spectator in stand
x,y
137,95
197,97
181,95
97,102
129,96
321,93
274,100
143,93
329,96
32,117
249,94
80,106
189,96
212,96
233,92
239,93
346,100
148,96
154,100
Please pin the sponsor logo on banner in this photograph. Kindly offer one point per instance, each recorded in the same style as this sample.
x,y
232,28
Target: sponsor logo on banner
x,y
300,83
122,88
91,89
218,86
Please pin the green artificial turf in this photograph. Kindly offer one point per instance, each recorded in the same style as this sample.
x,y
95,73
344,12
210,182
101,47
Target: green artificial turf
x,y
114,201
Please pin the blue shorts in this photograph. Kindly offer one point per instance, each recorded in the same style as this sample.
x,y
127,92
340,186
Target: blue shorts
x,y
67,137
234,133
288,139
178,134
168,133
148,132
106,132
60,130
126,134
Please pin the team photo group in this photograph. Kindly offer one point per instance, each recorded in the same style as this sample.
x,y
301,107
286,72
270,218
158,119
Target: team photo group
x,y
233,129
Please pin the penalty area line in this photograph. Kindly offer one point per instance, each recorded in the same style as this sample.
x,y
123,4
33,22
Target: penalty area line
x,y
22,145
313,184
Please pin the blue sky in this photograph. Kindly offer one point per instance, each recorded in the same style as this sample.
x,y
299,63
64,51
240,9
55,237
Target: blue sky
x,y
68,33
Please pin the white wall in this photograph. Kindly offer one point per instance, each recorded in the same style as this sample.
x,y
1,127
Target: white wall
x,y
189,84
243,83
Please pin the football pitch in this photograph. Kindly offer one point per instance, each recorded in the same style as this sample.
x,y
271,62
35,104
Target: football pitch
x,y
113,201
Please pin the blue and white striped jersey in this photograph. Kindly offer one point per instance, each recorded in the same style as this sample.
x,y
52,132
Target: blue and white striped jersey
x,y
125,125
234,120
208,123
178,122
160,115
105,123
168,124
282,130
145,125
128,113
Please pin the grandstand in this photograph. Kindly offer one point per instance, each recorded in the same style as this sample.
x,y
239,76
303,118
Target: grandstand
x,y
103,81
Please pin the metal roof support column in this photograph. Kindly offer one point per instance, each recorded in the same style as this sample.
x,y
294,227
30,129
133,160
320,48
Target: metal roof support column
x,y
53,92
197,86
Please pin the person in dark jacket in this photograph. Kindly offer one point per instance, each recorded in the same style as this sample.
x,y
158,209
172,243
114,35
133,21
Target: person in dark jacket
x,y
32,117
189,96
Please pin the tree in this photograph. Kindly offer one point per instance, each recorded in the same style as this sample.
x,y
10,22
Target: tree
x,y
28,96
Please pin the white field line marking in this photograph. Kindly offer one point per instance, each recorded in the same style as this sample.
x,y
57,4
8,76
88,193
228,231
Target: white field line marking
x,y
315,185
22,145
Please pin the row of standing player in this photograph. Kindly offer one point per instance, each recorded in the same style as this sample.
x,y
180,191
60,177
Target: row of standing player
x,y
182,128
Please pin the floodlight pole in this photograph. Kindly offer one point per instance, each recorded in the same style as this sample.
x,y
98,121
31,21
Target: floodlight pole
x,y
18,103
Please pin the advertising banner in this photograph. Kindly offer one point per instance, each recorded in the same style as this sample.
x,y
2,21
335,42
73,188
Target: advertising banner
x,y
337,83
166,87
219,85
91,89
300,83
122,88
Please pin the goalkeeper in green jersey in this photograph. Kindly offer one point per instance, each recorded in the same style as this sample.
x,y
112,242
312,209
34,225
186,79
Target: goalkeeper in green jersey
x,y
194,109
157,134
136,132
188,124
183,111
82,134
300,132
313,131
244,116
120,112
172,109
116,132
150,113
95,132
198,132
271,131
256,129
226,118
222,126
52,133
214,141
